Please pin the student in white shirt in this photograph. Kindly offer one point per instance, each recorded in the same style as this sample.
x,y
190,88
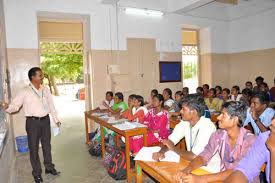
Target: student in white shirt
x,y
109,100
168,100
195,128
235,93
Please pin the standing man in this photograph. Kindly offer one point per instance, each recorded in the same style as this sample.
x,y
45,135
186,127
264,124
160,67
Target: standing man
x,y
38,103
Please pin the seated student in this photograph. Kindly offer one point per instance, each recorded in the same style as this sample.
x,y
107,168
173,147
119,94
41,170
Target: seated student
x,y
157,122
235,93
185,91
263,151
246,96
168,100
249,85
178,98
130,104
199,90
119,106
259,80
212,102
264,87
272,92
226,95
231,142
194,123
259,114
218,92
136,110
205,90
109,101
150,99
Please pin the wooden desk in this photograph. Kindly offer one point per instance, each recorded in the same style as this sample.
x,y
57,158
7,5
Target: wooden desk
x,y
163,172
125,133
87,115
173,121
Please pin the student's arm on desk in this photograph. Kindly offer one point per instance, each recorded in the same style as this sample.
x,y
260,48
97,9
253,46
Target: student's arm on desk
x,y
187,155
169,145
191,178
201,159
114,111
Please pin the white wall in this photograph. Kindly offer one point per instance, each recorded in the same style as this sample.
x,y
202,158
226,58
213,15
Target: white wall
x,y
21,25
252,33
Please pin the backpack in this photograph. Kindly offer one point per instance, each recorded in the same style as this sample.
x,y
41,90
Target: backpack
x,y
110,152
117,166
96,150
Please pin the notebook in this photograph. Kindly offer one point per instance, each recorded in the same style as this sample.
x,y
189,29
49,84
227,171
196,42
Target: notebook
x,y
146,153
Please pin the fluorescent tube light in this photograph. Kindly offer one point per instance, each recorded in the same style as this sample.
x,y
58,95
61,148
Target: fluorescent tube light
x,y
143,12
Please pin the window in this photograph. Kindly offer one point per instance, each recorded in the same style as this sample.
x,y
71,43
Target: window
x,y
190,56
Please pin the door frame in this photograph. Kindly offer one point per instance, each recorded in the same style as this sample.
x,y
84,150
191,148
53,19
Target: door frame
x,y
87,61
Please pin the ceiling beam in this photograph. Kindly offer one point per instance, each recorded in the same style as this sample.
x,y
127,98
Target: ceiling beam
x,y
234,2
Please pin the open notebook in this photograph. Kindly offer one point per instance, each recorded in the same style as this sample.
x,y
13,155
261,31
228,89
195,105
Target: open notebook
x,y
146,153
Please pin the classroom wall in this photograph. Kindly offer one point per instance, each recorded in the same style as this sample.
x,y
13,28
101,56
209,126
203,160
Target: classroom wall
x,y
8,155
166,30
251,51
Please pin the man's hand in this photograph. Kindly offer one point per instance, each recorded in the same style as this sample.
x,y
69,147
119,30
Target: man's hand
x,y
169,144
190,178
182,174
58,124
4,105
254,114
157,156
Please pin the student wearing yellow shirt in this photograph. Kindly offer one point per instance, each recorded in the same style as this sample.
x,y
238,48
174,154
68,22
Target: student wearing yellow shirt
x,y
212,102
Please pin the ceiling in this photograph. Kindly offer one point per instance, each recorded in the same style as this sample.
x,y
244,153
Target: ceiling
x,y
203,8
227,12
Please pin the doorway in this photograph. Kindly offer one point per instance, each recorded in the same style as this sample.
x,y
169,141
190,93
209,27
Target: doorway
x,y
190,58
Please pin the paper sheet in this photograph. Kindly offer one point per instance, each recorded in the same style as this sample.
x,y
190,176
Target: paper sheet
x,y
56,131
128,125
146,153
125,126
98,114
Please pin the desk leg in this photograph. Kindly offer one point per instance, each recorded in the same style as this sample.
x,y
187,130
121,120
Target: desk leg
x,y
87,129
127,155
117,140
102,140
145,142
138,173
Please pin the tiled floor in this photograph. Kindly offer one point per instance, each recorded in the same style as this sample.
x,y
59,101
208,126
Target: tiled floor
x,y
70,153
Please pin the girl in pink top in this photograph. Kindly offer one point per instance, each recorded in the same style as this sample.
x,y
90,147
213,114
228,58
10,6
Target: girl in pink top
x,y
157,122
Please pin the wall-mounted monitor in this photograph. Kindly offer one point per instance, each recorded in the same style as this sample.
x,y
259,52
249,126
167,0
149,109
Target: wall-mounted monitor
x,y
170,72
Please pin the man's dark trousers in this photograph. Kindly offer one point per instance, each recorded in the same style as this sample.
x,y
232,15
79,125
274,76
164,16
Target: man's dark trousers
x,y
39,129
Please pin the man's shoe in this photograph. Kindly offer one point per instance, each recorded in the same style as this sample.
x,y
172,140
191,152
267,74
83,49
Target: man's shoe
x,y
52,171
41,179
38,179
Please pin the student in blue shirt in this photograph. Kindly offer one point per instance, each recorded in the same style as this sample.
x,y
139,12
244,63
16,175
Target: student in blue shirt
x,y
259,114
